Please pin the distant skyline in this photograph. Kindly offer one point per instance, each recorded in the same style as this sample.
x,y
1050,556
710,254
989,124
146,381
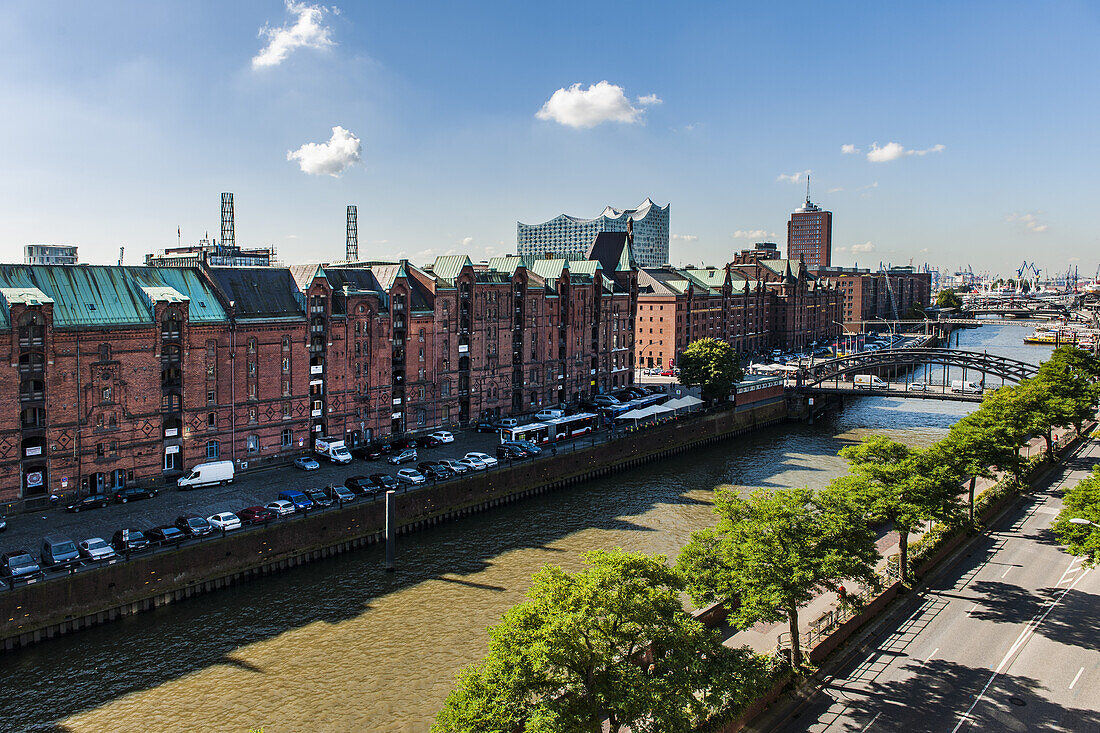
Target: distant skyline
x,y
946,133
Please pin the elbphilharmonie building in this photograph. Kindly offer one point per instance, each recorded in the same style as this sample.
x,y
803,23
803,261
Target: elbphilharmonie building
x,y
570,237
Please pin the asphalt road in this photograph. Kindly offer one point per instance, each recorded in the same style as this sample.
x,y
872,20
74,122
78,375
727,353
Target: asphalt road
x,y
27,530
1006,640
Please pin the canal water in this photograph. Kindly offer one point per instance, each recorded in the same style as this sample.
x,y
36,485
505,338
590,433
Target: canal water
x,y
339,645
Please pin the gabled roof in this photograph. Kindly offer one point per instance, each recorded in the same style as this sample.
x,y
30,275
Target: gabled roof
x,y
447,267
612,251
259,292
304,275
507,263
551,269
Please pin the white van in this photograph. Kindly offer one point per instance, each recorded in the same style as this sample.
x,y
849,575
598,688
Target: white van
x,y
549,414
332,449
869,381
207,474
959,386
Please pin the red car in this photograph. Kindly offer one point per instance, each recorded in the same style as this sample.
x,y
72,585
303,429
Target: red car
x,y
668,373
256,515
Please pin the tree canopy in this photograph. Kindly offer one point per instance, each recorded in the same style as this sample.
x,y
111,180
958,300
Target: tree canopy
x,y
947,298
711,365
771,553
1081,502
612,643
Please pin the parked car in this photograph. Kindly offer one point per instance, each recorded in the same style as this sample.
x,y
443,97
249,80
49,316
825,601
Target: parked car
x,y
20,565
361,485
96,549
3,523
428,441
400,445
306,463
411,476
485,458
605,400
917,387
405,456
457,466
373,452
224,521
530,448
214,473
383,481
319,497
472,465
549,414
435,470
339,494
193,525
298,499
281,507
59,551
129,540
256,515
485,426
133,493
668,373
510,452
443,436
166,534
507,422
91,501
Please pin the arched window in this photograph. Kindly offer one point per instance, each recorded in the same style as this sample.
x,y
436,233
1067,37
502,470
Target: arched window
x,y
170,402
32,329
286,343
171,353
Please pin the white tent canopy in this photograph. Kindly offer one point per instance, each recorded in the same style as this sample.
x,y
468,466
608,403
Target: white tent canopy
x,y
642,412
681,402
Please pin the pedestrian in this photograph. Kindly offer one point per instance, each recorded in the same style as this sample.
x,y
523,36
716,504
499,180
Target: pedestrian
x,y
842,593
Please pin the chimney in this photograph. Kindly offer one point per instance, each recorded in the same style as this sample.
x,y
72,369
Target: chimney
x,y
351,253
229,238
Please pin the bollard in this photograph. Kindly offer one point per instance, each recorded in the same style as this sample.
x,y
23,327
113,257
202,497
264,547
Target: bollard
x,y
391,529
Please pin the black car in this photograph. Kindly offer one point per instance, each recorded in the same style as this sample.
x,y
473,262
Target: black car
x,y
129,540
525,445
428,441
434,470
133,493
485,426
383,481
193,525
360,485
340,494
373,452
513,452
400,445
166,535
318,496
20,565
91,501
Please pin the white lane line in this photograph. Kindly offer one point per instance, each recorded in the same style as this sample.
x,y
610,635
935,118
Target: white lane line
x,y
1006,571
1076,677
972,609
930,655
1029,628
1069,570
868,726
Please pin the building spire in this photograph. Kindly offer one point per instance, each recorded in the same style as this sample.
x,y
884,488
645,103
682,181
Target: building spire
x,y
807,189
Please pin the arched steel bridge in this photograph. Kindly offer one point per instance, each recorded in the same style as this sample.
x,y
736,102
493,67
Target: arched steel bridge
x,y
816,378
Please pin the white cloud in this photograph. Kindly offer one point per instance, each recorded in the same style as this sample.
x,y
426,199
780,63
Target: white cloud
x,y
308,31
861,248
331,158
838,189
753,234
1029,221
684,237
599,103
793,177
467,241
1074,259
849,149
893,151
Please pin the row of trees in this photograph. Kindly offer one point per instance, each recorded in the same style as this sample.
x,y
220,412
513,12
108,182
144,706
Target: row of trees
x,y
613,642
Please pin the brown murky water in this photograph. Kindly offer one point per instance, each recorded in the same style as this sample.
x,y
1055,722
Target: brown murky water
x,y
342,646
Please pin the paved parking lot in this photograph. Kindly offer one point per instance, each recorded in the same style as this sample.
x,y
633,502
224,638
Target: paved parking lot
x,y
27,530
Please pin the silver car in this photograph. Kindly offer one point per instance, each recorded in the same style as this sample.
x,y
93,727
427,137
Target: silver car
x,y
96,549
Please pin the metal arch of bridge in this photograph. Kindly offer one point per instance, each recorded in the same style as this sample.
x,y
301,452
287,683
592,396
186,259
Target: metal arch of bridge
x,y
1009,370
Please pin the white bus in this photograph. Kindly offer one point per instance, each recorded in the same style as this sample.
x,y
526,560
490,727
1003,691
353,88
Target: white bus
x,y
573,425
535,432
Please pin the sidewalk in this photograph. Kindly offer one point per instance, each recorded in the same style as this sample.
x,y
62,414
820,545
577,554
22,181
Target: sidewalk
x,y
763,638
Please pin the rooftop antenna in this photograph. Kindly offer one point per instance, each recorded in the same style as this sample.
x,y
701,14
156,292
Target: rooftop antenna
x,y
351,253
121,251
807,188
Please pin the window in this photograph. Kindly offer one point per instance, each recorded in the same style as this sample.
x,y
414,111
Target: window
x,y
211,397
420,356
213,449
445,389
251,368
286,410
420,338
251,414
104,352
286,363
251,346
288,437
100,450
106,394
252,444
211,419
421,416
286,388
286,343
420,393
251,390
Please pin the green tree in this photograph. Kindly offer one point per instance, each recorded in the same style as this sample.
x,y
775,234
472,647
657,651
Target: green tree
x,y
711,365
947,298
976,445
1081,502
771,553
609,643
903,486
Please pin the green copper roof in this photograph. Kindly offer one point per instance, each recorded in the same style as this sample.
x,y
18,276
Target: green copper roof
x,y
447,267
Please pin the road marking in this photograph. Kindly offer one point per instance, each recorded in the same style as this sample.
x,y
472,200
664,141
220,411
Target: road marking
x,y
972,609
868,726
1006,571
1029,628
1076,677
930,655
1069,570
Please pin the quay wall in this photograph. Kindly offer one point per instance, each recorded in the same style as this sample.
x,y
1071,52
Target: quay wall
x,y
30,613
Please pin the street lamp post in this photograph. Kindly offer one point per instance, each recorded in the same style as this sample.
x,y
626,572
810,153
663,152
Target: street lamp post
x,y
1082,520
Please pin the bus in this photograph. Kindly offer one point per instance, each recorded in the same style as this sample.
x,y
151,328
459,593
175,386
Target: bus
x,y
573,425
535,432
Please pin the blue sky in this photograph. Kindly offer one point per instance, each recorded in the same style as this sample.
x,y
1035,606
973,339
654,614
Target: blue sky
x,y
122,121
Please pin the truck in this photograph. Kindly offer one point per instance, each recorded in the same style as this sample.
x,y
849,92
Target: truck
x,y
207,474
869,381
964,387
332,449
